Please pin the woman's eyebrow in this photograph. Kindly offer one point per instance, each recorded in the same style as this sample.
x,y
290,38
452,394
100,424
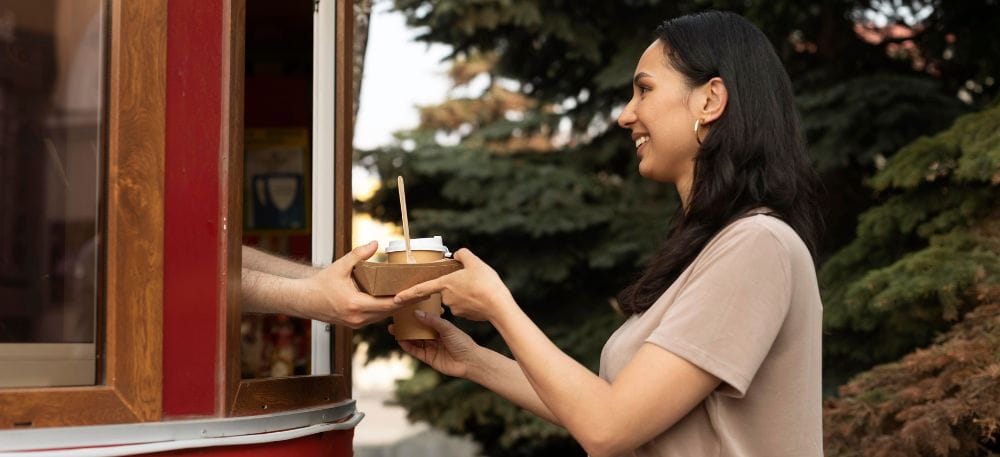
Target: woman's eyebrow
x,y
639,76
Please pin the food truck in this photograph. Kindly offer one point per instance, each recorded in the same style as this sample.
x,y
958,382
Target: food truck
x,y
142,144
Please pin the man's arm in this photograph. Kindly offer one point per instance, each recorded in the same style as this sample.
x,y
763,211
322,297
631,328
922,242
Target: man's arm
x,y
257,260
328,295
268,293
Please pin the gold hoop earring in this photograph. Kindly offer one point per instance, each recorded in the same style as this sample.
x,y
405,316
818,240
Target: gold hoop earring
x,y
697,124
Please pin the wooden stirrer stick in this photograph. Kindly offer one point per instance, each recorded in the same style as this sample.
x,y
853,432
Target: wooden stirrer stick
x,y
406,221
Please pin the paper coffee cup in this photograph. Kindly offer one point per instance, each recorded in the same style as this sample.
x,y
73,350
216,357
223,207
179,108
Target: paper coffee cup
x,y
424,250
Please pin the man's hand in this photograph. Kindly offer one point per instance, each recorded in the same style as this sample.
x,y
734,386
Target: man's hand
x,y
333,297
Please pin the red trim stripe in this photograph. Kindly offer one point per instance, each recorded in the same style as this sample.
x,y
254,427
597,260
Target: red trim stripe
x,y
192,233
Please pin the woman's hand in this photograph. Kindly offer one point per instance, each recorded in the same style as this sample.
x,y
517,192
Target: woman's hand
x,y
475,292
453,353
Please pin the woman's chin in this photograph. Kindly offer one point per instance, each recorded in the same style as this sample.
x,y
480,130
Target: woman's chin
x,y
646,170
651,173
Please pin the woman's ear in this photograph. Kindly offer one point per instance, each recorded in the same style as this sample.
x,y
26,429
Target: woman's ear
x,y
713,101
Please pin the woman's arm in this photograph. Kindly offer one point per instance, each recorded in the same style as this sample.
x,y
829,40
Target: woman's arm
x,y
504,376
654,391
254,259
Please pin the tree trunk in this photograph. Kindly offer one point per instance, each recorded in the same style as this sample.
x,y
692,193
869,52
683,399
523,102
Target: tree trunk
x,y
362,15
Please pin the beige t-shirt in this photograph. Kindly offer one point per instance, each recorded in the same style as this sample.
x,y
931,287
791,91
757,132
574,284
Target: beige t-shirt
x,y
748,311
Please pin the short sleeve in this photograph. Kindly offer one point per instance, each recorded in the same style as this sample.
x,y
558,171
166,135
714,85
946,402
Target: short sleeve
x,y
731,307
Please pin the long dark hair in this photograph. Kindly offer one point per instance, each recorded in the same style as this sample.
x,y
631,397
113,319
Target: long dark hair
x,y
753,156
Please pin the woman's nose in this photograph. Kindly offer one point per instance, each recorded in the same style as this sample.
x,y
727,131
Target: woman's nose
x,y
627,116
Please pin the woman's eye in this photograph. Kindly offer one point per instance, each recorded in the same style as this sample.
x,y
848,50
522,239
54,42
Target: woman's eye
x,y
643,90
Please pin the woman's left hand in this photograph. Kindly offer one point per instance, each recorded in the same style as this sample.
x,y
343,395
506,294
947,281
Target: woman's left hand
x,y
475,292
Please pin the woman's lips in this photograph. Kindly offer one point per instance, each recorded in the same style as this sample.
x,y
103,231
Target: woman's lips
x,y
639,143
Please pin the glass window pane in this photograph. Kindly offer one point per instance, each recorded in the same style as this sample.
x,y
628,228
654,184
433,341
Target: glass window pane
x,y
52,53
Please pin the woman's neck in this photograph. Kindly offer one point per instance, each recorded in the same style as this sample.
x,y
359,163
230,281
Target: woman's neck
x,y
683,185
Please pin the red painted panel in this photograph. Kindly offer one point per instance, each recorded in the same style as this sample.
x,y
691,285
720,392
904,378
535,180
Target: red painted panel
x,y
191,258
330,444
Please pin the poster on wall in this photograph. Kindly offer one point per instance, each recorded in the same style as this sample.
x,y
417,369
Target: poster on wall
x,y
276,181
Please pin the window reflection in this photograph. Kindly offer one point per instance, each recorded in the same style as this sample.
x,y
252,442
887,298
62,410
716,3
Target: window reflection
x,y
51,147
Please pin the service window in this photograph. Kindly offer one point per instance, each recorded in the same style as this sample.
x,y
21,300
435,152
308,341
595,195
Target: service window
x,y
296,192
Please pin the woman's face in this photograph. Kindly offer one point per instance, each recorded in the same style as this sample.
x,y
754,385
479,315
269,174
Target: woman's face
x,y
661,118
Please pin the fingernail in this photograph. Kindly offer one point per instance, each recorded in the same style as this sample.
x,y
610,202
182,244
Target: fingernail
x,y
420,314
372,241
396,299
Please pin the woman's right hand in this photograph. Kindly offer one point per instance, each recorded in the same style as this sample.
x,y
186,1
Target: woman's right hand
x,y
453,353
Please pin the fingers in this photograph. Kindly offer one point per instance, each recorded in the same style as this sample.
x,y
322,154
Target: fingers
x,y
465,256
422,290
365,303
442,326
361,310
422,350
363,252
410,348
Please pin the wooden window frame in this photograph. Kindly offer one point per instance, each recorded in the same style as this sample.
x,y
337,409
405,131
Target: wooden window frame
x,y
133,243
265,396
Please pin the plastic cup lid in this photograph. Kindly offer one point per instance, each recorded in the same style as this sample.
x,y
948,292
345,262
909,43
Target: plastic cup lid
x,y
419,244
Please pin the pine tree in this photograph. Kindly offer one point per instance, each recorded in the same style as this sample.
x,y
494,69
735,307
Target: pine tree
x,y
920,259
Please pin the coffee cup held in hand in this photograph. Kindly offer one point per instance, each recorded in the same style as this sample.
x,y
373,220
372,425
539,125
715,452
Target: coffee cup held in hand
x,y
385,279
424,250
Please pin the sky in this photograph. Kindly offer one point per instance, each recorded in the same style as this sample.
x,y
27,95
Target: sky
x,y
399,74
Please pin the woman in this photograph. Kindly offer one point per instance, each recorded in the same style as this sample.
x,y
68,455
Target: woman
x,y
721,354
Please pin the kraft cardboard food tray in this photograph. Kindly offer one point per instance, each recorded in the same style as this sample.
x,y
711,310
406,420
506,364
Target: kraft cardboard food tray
x,y
382,279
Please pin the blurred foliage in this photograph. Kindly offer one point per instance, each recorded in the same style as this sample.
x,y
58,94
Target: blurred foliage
x,y
919,258
936,402
524,165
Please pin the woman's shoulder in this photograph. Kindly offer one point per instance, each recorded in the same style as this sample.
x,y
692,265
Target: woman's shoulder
x,y
762,227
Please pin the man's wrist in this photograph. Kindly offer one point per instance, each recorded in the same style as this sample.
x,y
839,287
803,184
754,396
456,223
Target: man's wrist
x,y
310,302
